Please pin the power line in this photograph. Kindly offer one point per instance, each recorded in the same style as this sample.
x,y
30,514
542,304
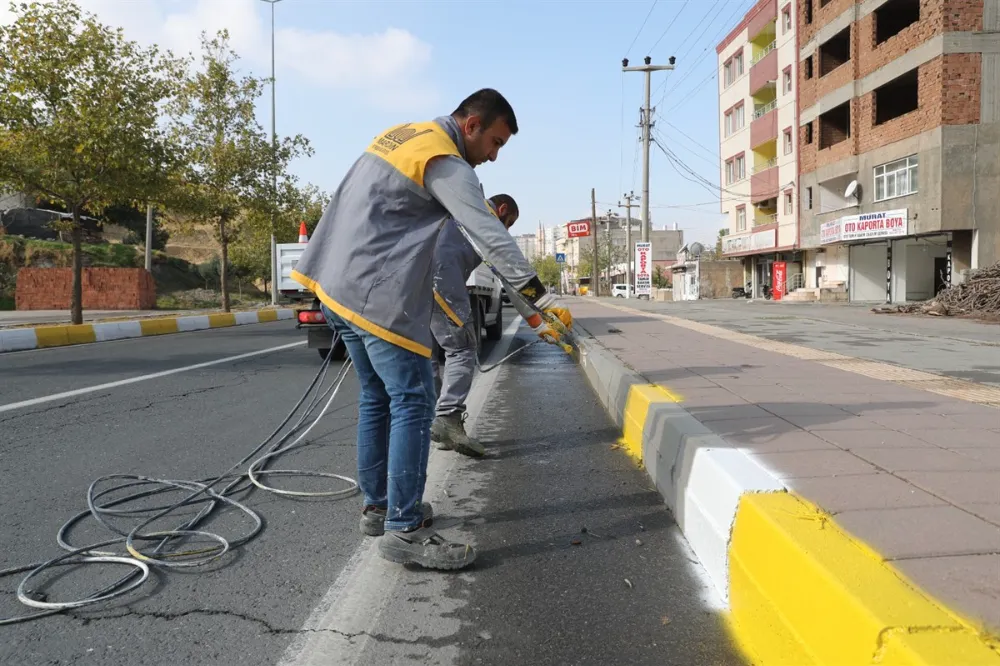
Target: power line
x,y
679,46
667,29
629,49
726,26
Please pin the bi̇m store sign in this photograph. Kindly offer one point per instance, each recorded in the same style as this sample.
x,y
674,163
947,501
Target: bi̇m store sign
x,y
869,226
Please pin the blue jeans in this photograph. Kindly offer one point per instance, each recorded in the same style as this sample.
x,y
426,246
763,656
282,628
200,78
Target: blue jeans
x,y
395,410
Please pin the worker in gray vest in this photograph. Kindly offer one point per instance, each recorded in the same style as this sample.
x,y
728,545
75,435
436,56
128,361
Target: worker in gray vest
x,y
369,262
454,261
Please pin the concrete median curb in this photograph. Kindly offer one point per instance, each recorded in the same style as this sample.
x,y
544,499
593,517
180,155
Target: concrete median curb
x,y
42,337
798,588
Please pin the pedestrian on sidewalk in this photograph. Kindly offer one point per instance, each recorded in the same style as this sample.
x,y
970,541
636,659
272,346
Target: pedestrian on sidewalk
x,y
370,264
451,321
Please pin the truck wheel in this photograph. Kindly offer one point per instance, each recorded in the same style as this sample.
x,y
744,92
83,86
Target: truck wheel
x,y
495,331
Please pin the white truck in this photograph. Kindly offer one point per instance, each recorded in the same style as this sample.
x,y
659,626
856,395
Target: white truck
x,y
484,296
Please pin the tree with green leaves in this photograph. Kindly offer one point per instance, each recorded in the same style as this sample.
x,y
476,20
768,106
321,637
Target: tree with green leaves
x,y
79,112
660,278
229,157
548,269
251,252
718,241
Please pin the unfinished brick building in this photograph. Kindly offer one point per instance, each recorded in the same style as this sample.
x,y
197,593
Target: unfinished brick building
x,y
899,144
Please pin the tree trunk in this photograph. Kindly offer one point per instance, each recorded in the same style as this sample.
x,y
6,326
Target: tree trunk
x,y
224,266
76,302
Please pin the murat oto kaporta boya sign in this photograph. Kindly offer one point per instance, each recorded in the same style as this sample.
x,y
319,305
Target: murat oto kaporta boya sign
x,y
643,269
887,224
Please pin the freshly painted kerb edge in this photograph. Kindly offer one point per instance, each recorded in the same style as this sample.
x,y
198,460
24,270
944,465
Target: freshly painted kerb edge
x,y
22,339
799,589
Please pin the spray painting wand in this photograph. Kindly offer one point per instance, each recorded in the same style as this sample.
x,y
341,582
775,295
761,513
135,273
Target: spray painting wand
x,y
532,314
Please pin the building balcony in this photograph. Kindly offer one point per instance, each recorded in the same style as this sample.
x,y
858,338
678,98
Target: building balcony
x,y
763,21
764,184
764,126
765,70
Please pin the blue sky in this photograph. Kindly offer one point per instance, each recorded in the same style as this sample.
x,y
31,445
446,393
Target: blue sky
x,y
349,69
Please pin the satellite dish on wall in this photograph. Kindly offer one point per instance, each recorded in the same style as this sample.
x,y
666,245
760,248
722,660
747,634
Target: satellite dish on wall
x,y
852,190
696,249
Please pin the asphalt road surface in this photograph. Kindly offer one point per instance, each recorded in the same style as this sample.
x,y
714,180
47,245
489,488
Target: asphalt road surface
x,y
309,589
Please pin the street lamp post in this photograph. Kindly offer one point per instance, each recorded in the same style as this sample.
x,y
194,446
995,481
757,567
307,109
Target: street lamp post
x,y
274,169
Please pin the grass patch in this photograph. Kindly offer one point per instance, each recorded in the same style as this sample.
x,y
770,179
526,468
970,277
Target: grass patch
x,y
7,303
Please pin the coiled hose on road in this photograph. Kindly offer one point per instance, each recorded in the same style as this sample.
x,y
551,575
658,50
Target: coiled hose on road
x,y
167,553
201,493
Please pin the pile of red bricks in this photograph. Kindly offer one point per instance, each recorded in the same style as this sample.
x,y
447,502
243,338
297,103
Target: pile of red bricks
x,y
103,289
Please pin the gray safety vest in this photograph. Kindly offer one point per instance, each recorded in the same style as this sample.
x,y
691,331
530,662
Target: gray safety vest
x,y
454,262
370,258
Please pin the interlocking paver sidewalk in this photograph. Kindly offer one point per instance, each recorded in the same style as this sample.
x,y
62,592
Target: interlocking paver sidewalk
x,y
914,474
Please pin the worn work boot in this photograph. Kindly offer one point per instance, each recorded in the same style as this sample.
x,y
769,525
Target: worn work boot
x,y
448,433
373,519
427,548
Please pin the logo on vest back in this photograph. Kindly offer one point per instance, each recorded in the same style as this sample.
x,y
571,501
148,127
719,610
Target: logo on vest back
x,y
396,137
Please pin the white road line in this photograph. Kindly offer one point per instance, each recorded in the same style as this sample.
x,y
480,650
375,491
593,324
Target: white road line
x,y
339,629
142,378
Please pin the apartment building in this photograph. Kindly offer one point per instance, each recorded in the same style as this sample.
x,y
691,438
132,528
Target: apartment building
x,y
758,141
528,244
899,103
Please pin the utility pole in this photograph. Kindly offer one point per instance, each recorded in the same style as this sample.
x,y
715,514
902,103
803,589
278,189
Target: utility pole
x,y
609,251
629,250
274,169
149,237
594,278
646,122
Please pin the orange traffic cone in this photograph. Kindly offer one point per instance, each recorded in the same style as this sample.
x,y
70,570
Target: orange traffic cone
x,y
303,234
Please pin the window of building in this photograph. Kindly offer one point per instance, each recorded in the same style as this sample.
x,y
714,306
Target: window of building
x,y
786,81
727,71
733,69
740,168
896,98
788,203
738,118
835,126
835,52
741,218
893,17
728,124
809,198
809,133
788,141
809,67
730,173
808,6
896,179
786,19
738,64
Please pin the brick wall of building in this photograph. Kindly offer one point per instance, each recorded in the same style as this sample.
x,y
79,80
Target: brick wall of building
x,y
948,87
103,289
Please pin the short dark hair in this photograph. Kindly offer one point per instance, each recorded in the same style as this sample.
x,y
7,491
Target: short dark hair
x,y
489,105
501,199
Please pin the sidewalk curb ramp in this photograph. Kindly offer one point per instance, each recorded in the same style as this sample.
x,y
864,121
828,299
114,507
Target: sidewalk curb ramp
x,y
42,337
799,590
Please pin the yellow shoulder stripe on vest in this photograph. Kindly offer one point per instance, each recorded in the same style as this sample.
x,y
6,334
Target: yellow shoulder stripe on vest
x,y
358,320
408,148
443,304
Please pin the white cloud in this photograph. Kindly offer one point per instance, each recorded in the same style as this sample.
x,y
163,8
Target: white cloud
x,y
386,69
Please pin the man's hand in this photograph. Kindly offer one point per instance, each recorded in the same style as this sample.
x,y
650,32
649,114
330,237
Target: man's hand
x,y
563,315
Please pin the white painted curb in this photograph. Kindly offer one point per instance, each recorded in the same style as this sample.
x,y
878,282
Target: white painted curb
x,y
700,476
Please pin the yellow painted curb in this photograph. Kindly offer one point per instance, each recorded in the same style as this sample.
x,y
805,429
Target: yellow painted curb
x,y
158,326
267,316
803,591
221,320
640,398
60,336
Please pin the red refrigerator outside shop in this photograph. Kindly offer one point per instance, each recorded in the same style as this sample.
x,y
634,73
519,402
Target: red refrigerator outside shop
x,y
779,275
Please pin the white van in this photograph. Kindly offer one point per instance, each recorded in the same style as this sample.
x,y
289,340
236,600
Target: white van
x,y
621,291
